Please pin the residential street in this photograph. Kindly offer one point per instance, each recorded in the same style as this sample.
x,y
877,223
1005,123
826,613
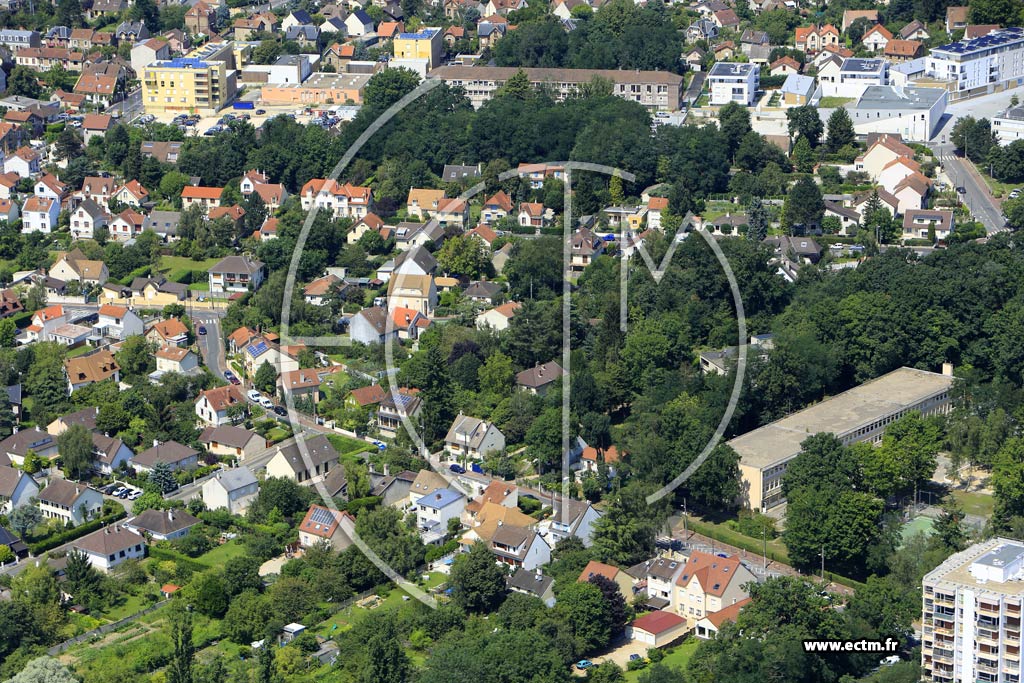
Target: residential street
x,y
976,196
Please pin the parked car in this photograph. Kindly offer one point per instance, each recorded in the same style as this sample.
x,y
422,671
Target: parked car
x,y
584,664
230,376
202,329
280,410
124,494
254,396
457,469
266,402
381,446
261,112
118,490
134,494
635,657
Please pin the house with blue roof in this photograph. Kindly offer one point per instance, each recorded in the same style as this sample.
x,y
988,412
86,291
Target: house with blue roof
x,y
435,509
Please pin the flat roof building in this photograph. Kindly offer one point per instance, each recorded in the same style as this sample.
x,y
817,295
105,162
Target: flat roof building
x,y
979,66
859,414
1009,125
202,82
971,614
319,88
912,113
658,90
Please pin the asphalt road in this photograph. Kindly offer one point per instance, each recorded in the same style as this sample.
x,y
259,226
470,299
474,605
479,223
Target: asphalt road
x,y
211,344
976,195
129,107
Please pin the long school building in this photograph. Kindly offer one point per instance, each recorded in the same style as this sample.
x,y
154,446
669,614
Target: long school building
x,y
859,414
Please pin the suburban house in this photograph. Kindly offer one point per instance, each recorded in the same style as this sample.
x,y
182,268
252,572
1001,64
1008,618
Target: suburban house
x,y
370,326
620,578
232,441
323,525
171,453
162,525
16,489
236,274
876,38
417,292
517,547
592,458
73,265
534,583
109,453
221,406
421,204
473,438
70,502
661,574
304,383
499,317
85,417
395,406
170,332
496,207
813,39
234,490
86,219
585,246
927,224
709,583
175,359
572,518
205,198
539,378
96,367
44,322
306,463
109,547
39,214
709,626
119,322
434,510
343,200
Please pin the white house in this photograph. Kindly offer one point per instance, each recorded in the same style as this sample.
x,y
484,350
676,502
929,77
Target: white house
x,y
234,490
437,507
109,547
119,322
911,113
572,518
39,215
176,359
855,76
734,82
70,502
216,407
499,317
236,274
86,219
162,525
323,525
314,459
359,23
473,438
16,489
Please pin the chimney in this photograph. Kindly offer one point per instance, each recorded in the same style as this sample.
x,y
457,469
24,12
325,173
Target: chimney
x,y
947,369
156,443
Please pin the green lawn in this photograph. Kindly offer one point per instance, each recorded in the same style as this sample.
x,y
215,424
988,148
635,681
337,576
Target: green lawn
x,y
222,553
177,267
132,605
677,659
975,503
833,102
200,286
79,351
348,446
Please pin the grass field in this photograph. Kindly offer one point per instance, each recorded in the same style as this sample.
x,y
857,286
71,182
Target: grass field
x,y
177,267
975,503
677,659
347,446
222,553
917,525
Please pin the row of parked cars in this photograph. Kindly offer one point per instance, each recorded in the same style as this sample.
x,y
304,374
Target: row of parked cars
x,y
122,491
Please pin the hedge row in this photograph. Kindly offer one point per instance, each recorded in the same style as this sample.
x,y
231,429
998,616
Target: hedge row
x,y
165,554
69,535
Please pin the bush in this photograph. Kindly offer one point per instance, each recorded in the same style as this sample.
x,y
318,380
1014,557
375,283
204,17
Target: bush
x,y
436,552
753,524
62,537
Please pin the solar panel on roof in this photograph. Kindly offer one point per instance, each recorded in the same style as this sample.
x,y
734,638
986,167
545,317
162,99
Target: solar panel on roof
x,y
322,516
257,349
